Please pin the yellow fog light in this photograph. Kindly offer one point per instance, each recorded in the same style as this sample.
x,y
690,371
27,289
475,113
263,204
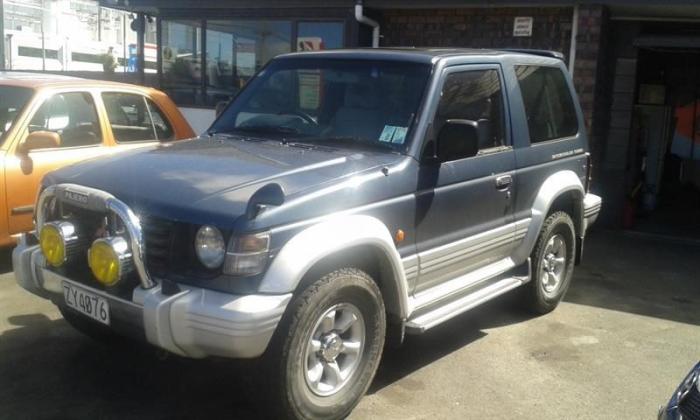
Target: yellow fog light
x,y
109,259
56,240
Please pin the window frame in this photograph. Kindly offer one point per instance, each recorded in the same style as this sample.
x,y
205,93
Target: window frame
x,y
461,68
525,117
48,95
146,100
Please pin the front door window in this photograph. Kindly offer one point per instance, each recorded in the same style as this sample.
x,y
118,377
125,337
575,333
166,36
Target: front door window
x,y
70,115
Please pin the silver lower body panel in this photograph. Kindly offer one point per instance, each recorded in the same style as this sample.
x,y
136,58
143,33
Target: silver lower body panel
x,y
195,322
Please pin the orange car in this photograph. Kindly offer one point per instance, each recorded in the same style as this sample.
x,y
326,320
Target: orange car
x,y
49,121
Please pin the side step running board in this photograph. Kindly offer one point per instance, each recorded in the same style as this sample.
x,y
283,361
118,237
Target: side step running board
x,y
442,313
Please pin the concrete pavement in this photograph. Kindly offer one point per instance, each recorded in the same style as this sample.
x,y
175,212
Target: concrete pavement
x,y
626,334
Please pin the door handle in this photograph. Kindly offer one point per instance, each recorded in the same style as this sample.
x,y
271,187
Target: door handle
x,y
504,182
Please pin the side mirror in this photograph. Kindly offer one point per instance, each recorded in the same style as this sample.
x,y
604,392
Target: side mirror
x,y
39,140
458,139
220,107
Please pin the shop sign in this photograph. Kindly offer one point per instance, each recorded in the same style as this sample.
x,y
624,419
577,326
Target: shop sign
x,y
522,26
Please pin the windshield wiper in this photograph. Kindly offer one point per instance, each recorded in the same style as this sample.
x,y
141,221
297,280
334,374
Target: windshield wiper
x,y
223,133
352,141
268,129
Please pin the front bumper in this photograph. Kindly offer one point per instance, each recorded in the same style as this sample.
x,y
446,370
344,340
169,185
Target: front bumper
x,y
194,322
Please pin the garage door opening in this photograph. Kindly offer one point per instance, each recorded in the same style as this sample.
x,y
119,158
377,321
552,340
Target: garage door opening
x,y
664,155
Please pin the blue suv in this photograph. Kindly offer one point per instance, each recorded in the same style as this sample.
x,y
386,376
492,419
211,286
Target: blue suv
x,y
342,199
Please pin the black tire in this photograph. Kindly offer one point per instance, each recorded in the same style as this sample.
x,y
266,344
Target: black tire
x,y
291,395
537,298
89,327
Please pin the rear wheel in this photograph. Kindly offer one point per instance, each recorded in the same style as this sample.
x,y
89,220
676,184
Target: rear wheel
x,y
327,348
553,263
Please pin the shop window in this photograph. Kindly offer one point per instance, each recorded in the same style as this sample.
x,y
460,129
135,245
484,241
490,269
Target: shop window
x,y
181,54
236,49
549,107
315,36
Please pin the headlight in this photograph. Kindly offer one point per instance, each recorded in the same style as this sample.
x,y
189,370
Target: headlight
x,y
247,255
110,259
209,246
59,242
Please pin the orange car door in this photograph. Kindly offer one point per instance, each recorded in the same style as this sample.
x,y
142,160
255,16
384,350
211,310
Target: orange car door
x,y
64,129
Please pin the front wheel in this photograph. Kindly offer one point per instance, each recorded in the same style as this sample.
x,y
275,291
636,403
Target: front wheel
x,y
327,348
552,264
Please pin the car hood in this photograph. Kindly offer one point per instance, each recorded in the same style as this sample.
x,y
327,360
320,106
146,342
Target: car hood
x,y
210,180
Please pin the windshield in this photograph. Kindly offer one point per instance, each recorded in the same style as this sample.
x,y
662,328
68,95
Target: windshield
x,y
12,101
330,101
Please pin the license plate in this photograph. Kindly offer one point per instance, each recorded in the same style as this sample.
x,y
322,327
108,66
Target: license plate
x,y
86,303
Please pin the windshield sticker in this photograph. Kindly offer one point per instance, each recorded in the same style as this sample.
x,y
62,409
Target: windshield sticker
x,y
393,134
387,133
399,135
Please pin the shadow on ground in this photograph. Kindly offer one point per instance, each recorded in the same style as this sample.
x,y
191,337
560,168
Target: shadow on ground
x,y
75,378
638,275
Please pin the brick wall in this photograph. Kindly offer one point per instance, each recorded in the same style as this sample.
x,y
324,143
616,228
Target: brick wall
x,y
590,68
493,28
477,27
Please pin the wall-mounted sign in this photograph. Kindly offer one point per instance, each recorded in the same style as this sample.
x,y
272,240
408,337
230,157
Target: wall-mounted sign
x,y
522,26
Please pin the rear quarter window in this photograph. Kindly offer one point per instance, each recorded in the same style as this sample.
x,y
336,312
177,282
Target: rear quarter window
x,y
549,107
135,118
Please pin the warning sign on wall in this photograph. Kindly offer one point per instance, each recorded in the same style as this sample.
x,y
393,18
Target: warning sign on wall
x,y
522,26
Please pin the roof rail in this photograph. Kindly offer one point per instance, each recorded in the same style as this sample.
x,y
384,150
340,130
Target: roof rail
x,y
543,53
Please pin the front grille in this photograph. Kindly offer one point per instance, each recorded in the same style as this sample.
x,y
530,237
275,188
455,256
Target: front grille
x,y
168,249
91,225
158,236
690,405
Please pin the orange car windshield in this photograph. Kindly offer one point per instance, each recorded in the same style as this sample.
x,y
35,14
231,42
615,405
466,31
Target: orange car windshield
x,y
12,100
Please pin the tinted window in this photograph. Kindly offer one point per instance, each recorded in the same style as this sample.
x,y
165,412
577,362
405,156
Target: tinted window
x,y
70,115
476,96
357,103
12,101
135,118
548,104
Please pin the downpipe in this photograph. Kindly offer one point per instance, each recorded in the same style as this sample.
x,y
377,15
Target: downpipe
x,y
361,18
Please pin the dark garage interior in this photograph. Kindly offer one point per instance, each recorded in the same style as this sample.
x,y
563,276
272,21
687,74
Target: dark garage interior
x,y
663,172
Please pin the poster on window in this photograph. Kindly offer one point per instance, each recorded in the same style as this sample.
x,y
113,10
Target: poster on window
x,y
309,43
245,57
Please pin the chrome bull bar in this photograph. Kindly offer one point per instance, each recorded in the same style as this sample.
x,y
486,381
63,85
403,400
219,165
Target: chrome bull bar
x,y
99,201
